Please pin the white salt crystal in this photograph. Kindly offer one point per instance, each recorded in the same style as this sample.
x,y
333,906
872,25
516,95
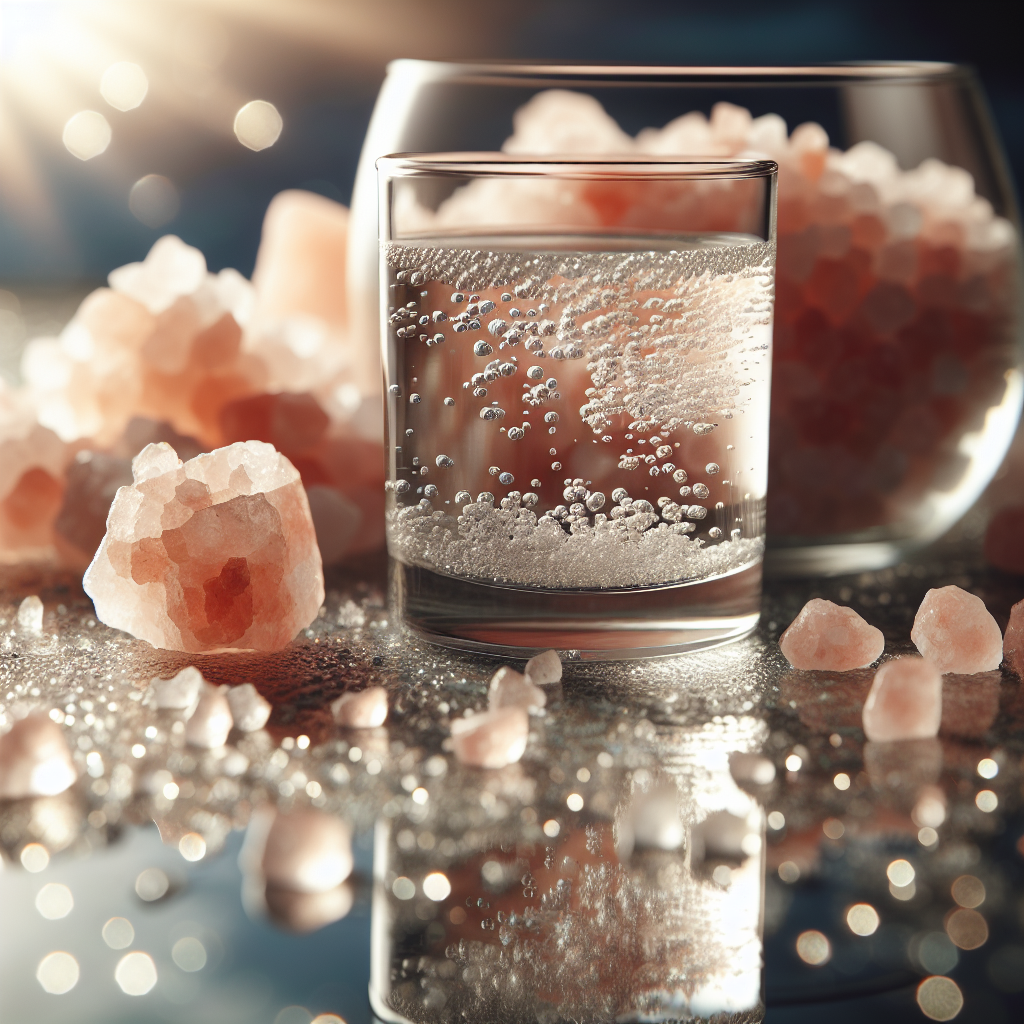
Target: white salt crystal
x,y
249,709
210,723
366,709
180,692
511,689
30,615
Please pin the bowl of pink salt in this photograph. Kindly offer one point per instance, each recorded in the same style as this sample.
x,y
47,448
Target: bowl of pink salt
x,y
896,364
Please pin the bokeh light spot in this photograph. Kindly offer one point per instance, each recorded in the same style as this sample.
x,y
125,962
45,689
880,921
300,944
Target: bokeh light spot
x,y
135,973
967,928
57,973
54,901
404,888
862,919
436,887
192,846
813,948
189,954
258,125
900,872
118,933
939,998
968,891
152,884
35,858
124,85
87,134
154,201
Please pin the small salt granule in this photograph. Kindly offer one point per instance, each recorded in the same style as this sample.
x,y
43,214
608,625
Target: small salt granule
x,y
905,701
180,692
491,739
956,632
210,723
34,759
249,710
366,709
511,689
30,615
831,638
544,669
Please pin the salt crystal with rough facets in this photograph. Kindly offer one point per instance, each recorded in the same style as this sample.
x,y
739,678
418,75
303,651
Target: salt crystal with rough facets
x,y
491,739
215,553
249,709
956,632
307,851
366,709
544,669
30,615
180,692
511,689
905,701
830,637
1013,641
209,725
34,759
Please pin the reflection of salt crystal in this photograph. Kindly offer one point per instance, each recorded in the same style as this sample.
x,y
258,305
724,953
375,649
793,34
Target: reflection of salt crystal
x,y
366,709
30,615
491,739
905,701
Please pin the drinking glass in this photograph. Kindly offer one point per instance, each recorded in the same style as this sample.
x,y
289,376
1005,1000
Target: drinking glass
x,y
577,416
897,383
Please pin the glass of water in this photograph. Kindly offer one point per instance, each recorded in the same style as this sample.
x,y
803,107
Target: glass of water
x,y
577,415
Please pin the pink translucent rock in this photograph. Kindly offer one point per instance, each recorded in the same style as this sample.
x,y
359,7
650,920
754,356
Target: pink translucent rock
x,y
491,739
217,553
366,709
1013,641
956,633
305,851
210,723
511,689
249,709
905,701
180,692
34,759
830,637
544,669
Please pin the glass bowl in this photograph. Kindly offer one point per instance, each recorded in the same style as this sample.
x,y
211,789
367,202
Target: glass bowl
x,y
896,372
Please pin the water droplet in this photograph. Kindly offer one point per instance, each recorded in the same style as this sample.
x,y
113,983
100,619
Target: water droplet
x,y
700,490
506,479
481,348
711,468
443,462
415,399
551,417
680,477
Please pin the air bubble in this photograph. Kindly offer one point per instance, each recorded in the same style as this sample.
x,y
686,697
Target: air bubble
x,y
485,498
697,512
506,297
684,491
402,486
513,312
552,451
430,491
711,468
714,533
449,401
438,339
488,413
494,470
680,477
481,348
619,494
415,399
703,428
443,462
507,369
529,498
551,417
458,297
556,466
461,497
516,433
535,372
479,392
595,501
535,483
394,389
497,327
700,490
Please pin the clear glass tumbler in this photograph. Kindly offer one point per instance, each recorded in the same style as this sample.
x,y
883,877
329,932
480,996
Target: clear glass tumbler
x,y
577,416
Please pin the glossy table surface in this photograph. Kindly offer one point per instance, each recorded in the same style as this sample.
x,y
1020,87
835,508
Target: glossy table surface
x,y
840,819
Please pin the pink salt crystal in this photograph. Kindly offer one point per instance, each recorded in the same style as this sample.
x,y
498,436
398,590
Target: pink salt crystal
x,y
905,701
491,739
217,553
544,669
307,851
208,726
956,633
249,709
830,637
34,759
180,692
366,709
1013,642
511,689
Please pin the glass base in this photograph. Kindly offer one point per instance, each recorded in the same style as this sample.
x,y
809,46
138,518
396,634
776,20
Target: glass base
x,y
586,625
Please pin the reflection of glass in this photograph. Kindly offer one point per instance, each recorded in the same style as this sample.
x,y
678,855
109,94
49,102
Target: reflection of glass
x,y
568,908
576,417
895,383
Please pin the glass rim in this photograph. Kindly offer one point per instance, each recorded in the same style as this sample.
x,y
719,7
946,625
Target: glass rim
x,y
572,166
518,71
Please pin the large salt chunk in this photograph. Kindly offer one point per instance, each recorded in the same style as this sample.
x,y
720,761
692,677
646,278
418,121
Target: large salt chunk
x,y
34,759
216,553
491,739
1013,641
956,632
249,709
830,637
905,701
366,709
511,689
544,669
209,724
180,692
